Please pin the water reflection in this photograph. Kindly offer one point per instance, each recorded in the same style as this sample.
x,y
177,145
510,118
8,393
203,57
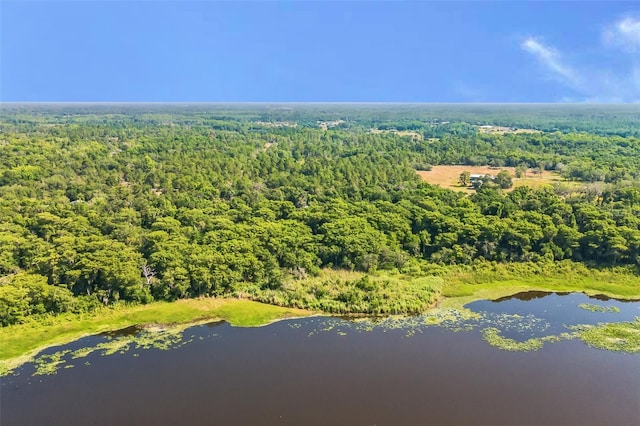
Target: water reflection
x,y
560,310
528,295
214,324
605,298
535,294
127,331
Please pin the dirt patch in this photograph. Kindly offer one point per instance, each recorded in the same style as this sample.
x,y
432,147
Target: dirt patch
x,y
501,130
324,125
276,124
414,135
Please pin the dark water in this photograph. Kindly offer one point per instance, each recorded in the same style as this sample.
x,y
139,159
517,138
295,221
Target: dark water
x,y
327,371
552,313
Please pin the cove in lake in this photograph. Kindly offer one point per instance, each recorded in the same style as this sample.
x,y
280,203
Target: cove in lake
x,y
320,371
552,313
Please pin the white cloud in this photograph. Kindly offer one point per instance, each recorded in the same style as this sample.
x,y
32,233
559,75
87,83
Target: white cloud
x,y
592,76
551,59
624,33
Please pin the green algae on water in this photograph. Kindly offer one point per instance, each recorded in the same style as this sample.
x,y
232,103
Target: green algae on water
x,y
153,338
620,337
597,308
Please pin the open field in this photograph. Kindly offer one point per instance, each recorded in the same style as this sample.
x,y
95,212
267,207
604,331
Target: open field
x,y
324,125
408,133
447,176
276,124
501,130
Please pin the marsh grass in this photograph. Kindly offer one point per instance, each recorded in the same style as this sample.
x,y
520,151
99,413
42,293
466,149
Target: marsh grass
x,y
349,292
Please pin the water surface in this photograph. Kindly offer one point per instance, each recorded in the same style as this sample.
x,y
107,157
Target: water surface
x,y
328,371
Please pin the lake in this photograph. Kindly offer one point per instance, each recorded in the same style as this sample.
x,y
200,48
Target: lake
x,y
331,371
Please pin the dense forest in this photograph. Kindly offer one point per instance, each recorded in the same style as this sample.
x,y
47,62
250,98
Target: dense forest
x,y
105,204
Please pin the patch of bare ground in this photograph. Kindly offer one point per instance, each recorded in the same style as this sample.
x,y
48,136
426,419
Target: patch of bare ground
x,y
276,124
501,130
324,125
408,133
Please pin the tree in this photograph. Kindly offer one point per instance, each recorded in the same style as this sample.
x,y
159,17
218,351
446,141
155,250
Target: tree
x,y
503,179
352,243
148,273
464,178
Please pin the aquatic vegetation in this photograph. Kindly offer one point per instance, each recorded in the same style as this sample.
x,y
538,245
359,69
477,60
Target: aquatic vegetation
x,y
598,308
492,336
118,346
83,352
152,338
450,319
616,336
49,364
522,324
622,336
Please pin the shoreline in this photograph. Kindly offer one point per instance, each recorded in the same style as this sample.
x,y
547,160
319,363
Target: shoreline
x,y
237,312
22,342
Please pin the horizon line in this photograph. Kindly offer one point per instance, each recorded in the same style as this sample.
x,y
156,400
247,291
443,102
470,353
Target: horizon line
x,y
300,103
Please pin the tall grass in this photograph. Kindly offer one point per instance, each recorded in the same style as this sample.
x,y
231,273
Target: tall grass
x,y
348,292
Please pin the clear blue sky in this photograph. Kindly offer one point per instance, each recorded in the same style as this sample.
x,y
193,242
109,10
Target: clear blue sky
x,y
320,51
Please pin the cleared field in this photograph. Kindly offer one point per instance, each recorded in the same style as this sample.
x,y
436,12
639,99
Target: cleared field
x,y
501,130
447,176
276,124
411,134
324,125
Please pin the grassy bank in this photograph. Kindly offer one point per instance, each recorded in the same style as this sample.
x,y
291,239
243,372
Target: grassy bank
x,y
492,281
19,343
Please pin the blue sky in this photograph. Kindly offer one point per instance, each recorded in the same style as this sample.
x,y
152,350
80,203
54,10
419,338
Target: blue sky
x,y
320,51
